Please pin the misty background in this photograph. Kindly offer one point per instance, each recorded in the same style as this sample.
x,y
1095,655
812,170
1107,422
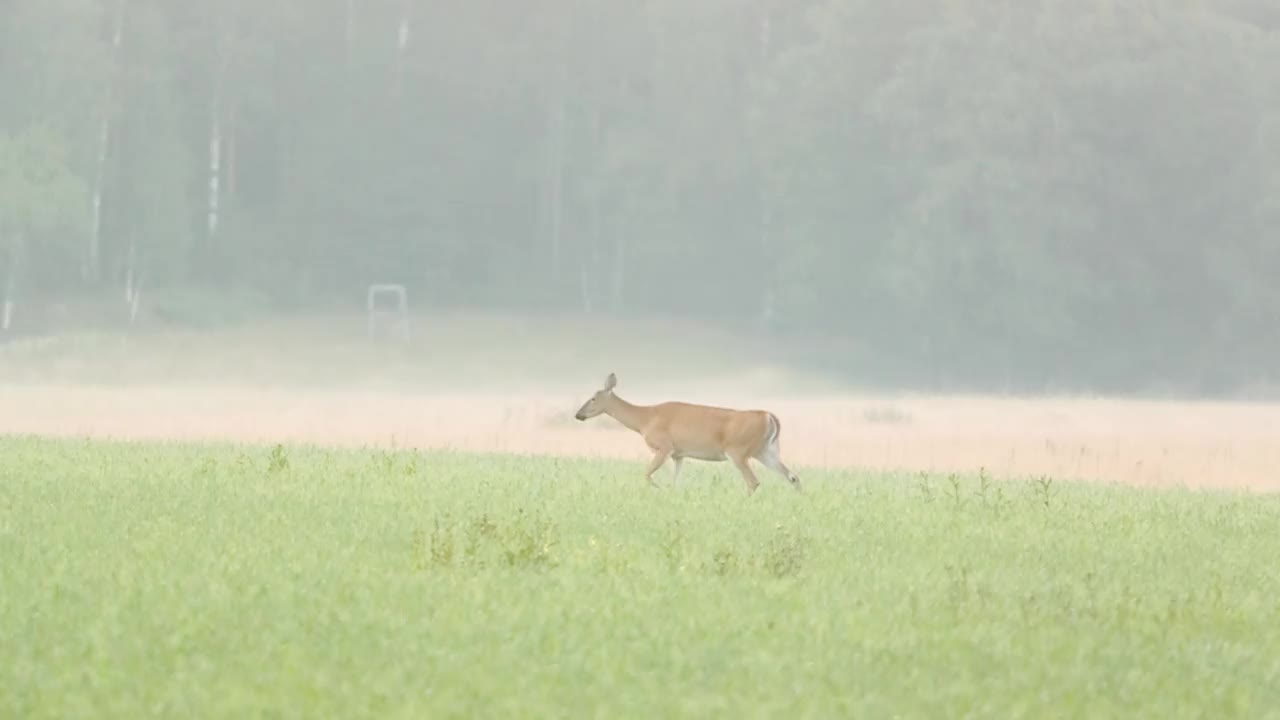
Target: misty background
x,y
964,194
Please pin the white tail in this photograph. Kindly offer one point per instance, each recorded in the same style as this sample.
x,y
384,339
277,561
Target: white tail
x,y
678,430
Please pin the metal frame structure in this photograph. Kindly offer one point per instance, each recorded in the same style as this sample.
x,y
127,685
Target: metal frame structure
x,y
399,314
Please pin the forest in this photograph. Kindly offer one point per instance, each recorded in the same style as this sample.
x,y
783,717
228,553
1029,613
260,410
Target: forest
x,y
1078,194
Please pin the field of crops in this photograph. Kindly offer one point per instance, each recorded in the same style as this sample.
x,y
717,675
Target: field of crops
x,y
175,580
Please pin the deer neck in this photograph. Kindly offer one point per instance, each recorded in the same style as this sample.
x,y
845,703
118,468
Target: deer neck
x,y
635,417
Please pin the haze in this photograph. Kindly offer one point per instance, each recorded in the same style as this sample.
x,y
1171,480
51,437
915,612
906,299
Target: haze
x,y
873,216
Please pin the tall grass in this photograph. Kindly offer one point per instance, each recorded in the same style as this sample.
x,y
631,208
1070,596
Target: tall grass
x,y
202,581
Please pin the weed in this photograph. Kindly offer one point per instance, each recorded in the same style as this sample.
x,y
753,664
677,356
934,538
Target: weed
x,y
480,532
385,462
529,542
1044,491
411,465
440,548
925,487
278,461
672,545
526,541
207,468
784,554
724,562
953,491
991,494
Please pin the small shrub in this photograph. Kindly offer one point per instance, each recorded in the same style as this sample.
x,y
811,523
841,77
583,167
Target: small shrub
x,y
724,562
1044,491
784,554
278,462
480,532
672,545
953,491
528,542
925,487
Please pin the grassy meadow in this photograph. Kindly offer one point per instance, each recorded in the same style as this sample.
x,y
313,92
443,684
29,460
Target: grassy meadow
x,y
182,580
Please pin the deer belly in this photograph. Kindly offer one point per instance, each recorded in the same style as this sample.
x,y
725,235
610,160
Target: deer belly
x,y
696,454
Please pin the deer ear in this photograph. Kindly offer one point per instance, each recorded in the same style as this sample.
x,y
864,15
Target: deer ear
x,y
610,382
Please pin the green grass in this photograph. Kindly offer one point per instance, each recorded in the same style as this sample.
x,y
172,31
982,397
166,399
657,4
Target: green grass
x,y
180,581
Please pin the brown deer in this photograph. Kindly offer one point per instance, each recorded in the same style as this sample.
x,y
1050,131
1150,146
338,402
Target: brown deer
x,y
679,430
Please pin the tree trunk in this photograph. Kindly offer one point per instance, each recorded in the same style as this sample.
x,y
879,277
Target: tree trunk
x,y
92,266
95,231
230,142
592,259
619,263
402,43
771,259
220,111
215,161
595,214
591,253
556,162
584,285
134,305
130,269
402,38
11,284
348,30
766,34
133,290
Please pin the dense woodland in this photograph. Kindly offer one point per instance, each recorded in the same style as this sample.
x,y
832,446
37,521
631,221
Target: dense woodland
x,y
1024,193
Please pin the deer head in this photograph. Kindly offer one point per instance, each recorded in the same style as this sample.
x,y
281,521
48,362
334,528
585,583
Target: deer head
x,y
597,403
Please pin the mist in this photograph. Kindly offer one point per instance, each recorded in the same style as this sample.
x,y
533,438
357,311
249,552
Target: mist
x,y
917,196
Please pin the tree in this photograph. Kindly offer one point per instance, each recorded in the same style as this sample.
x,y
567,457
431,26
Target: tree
x,y
39,202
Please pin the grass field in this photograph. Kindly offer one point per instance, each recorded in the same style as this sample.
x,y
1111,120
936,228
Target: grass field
x,y
176,580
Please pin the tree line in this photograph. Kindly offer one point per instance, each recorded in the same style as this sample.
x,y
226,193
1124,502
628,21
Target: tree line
x,y
964,192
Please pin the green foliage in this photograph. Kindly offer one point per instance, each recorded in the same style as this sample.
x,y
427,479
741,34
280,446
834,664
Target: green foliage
x,y
1022,195
147,580
279,460
39,193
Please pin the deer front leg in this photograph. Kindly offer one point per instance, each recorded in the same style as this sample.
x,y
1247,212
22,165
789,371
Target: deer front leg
x,y
660,456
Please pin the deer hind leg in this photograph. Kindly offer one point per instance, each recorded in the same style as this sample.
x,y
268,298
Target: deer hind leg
x,y
770,458
740,462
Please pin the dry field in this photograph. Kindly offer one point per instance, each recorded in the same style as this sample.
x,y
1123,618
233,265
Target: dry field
x,y
508,383
1223,445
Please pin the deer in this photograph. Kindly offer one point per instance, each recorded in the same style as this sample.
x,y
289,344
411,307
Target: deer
x,y
680,430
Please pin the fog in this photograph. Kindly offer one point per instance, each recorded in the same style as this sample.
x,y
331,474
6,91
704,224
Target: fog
x,y
1052,197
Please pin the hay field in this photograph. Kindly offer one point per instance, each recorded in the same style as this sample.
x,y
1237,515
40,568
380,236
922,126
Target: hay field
x,y
1158,444
495,383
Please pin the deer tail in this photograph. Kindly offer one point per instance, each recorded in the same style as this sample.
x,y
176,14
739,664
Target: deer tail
x,y
775,431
